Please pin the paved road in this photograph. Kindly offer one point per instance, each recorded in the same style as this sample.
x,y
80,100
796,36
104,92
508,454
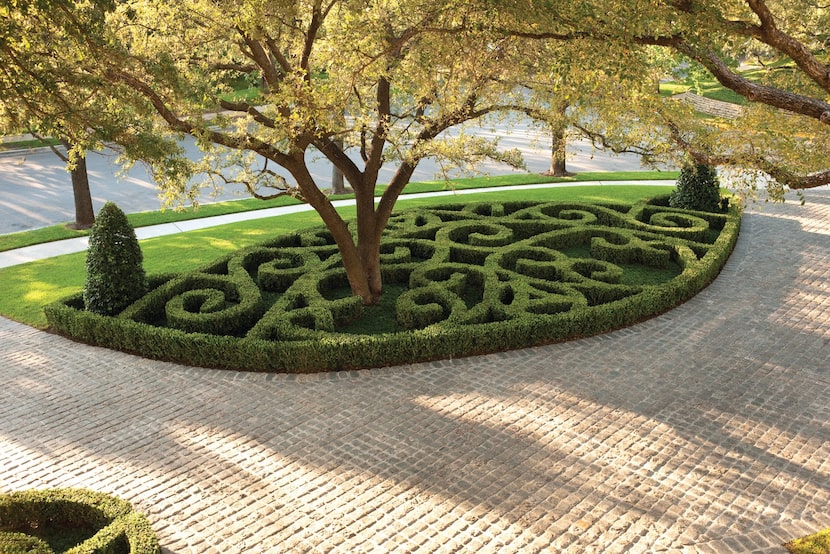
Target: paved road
x,y
35,190
701,430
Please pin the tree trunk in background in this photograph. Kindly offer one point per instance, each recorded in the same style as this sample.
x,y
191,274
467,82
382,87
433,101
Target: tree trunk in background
x,y
557,153
84,212
337,186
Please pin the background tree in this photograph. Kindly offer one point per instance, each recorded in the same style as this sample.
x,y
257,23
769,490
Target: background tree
x,y
575,88
25,72
76,165
559,147
787,40
46,90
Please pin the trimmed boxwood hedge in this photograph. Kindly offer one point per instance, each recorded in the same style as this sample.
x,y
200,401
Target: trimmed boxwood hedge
x,y
477,278
114,272
110,522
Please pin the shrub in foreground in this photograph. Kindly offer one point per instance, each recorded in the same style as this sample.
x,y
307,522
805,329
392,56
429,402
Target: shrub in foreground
x,y
114,273
698,188
30,520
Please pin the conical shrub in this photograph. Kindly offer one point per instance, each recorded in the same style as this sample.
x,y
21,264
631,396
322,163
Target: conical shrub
x,y
698,188
115,275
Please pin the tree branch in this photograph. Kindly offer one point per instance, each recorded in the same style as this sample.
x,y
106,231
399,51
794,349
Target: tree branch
x,y
287,191
774,170
337,156
781,41
317,18
58,153
771,96
185,126
260,57
247,108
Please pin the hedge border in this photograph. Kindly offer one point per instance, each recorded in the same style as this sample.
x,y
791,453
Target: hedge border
x,y
309,352
114,518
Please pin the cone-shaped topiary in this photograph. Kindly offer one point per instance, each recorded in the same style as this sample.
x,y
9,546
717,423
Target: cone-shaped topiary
x,y
114,273
698,188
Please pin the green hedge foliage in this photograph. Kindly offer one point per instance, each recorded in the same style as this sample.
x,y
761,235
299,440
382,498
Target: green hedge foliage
x,y
698,188
113,525
114,273
476,279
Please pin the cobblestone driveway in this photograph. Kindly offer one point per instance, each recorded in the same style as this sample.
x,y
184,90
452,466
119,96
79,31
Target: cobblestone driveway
x,y
706,429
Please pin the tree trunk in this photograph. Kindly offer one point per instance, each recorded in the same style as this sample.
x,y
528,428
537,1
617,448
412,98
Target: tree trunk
x,y
369,248
361,257
337,185
559,145
84,213
369,232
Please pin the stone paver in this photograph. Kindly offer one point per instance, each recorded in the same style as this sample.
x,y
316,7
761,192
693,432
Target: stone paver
x,y
706,429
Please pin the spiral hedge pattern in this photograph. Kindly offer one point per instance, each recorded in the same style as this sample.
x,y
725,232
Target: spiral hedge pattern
x,y
473,278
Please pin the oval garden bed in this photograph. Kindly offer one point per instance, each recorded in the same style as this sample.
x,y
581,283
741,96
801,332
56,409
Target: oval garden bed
x,y
458,280
72,521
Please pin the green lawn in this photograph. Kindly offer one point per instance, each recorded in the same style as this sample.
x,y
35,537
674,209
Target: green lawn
x,y
29,287
142,219
31,143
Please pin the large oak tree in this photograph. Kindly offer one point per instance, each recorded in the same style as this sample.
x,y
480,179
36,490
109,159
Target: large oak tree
x,y
362,83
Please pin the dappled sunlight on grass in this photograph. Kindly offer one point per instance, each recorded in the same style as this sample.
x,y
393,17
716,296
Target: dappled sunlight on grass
x,y
28,287
224,244
255,233
39,292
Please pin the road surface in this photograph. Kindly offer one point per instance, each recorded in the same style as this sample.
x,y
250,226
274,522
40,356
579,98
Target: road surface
x,y
36,191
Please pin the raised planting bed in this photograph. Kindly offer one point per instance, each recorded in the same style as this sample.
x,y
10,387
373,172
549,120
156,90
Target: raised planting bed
x,y
459,280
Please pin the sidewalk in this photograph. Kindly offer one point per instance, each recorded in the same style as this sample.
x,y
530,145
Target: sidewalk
x,y
703,430
57,248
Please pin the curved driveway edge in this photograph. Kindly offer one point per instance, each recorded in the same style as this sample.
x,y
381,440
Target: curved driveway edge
x,y
706,429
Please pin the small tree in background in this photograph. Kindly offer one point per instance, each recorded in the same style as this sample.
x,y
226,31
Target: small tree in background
x,y
115,276
698,188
